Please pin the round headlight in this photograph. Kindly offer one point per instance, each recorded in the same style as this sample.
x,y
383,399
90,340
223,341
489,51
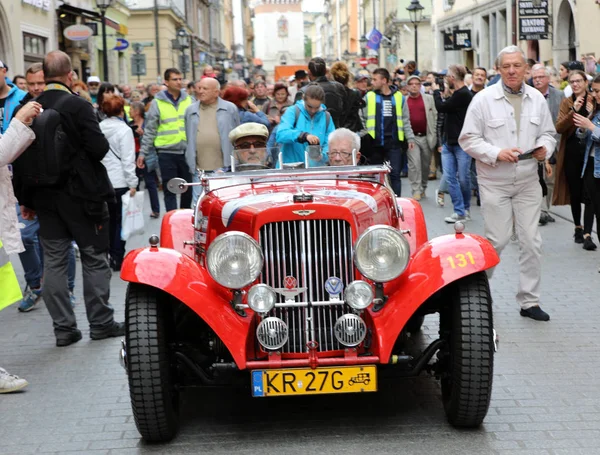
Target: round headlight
x,y
234,260
381,253
359,295
261,298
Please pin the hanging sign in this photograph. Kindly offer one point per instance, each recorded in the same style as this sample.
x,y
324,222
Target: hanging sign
x,y
78,32
122,44
533,28
531,8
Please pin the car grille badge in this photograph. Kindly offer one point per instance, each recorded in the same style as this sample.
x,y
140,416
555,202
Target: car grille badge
x,y
290,289
334,287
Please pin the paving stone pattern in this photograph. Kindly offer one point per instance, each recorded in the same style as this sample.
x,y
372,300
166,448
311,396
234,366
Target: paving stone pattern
x,y
546,395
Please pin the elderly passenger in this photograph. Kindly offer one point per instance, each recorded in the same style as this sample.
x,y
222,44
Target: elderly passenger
x,y
342,143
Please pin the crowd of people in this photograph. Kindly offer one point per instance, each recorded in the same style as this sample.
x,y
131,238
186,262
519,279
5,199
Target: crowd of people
x,y
518,139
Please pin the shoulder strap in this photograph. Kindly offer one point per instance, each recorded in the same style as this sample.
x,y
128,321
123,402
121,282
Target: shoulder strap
x,y
113,152
327,120
297,115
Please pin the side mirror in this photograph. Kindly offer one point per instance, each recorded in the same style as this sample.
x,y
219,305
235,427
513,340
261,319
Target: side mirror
x,y
177,185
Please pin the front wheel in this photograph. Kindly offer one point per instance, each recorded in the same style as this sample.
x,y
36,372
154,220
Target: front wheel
x,y
154,398
469,357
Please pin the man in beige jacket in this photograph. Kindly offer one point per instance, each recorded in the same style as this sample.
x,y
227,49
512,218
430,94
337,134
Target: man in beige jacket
x,y
503,123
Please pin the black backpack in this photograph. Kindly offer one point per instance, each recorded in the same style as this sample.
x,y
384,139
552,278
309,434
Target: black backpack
x,y
47,162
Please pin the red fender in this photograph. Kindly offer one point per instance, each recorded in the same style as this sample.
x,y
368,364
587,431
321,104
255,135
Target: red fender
x,y
177,228
436,264
414,220
180,276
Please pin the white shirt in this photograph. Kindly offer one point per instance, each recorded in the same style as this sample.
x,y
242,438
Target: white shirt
x,y
490,126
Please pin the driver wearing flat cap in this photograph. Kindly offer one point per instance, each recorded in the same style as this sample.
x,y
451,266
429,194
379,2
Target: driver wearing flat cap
x,y
250,146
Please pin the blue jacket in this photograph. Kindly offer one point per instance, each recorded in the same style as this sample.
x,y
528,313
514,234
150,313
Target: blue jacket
x,y
289,131
250,117
13,99
592,145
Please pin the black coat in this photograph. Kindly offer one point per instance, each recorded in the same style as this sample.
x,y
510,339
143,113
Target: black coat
x,y
81,125
353,103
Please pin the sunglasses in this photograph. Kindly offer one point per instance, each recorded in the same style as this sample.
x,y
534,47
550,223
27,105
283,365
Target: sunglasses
x,y
248,145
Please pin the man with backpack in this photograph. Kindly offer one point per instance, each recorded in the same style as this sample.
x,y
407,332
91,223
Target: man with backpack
x,y
334,91
61,179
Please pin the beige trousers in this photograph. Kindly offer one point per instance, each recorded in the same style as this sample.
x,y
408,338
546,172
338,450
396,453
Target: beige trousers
x,y
505,204
419,159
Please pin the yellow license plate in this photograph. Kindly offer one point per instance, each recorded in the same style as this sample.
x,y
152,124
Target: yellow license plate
x,y
305,381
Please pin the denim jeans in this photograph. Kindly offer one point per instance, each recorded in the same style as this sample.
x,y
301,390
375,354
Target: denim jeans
x,y
456,161
151,188
171,166
32,259
397,160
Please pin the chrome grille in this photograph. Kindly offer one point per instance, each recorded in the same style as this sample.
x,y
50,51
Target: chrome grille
x,y
310,251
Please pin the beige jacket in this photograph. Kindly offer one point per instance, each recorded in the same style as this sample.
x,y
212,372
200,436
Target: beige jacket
x,y
490,126
14,142
432,115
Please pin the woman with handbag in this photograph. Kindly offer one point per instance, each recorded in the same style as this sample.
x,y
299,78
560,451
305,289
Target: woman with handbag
x,y
568,188
120,166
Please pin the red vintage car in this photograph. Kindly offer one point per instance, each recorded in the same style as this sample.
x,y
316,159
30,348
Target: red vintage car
x,y
304,281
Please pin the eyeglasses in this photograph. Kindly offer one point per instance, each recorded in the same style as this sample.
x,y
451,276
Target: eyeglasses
x,y
577,81
340,153
248,145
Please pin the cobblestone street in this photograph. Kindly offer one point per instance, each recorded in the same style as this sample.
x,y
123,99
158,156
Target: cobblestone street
x,y
546,393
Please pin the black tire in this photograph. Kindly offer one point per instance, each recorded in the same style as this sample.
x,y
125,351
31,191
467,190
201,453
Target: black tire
x,y
468,323
154,398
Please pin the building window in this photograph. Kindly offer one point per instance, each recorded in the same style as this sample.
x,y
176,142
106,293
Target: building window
x,y
34,48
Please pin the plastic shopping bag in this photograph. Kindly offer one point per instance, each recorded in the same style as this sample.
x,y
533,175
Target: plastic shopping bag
x,y
133,215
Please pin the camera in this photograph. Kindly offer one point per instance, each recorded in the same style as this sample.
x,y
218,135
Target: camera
x,y
440,81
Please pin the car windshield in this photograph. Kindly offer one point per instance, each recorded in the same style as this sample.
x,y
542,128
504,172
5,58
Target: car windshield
x,y
266,164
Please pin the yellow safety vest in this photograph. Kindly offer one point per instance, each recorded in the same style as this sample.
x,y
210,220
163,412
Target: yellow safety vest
x,y
372,114
126,108
10,291
171,128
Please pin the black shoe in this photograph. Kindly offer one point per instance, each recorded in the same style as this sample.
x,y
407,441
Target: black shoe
x,y
578,236
117,330
536,313
68,338
550,218
588,243
543,219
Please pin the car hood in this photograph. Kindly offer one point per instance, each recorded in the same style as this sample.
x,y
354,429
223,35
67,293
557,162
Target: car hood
x,y
246,207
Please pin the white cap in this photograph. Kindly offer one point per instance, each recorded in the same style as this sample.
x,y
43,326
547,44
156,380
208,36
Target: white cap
x,y
248,129
291,78
93,79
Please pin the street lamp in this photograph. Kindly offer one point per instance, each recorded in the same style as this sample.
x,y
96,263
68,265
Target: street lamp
x,y
363,45
222,55
103,5
182,39
415,11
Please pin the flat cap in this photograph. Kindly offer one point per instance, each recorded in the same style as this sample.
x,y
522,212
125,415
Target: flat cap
x,y
410,78
248,129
